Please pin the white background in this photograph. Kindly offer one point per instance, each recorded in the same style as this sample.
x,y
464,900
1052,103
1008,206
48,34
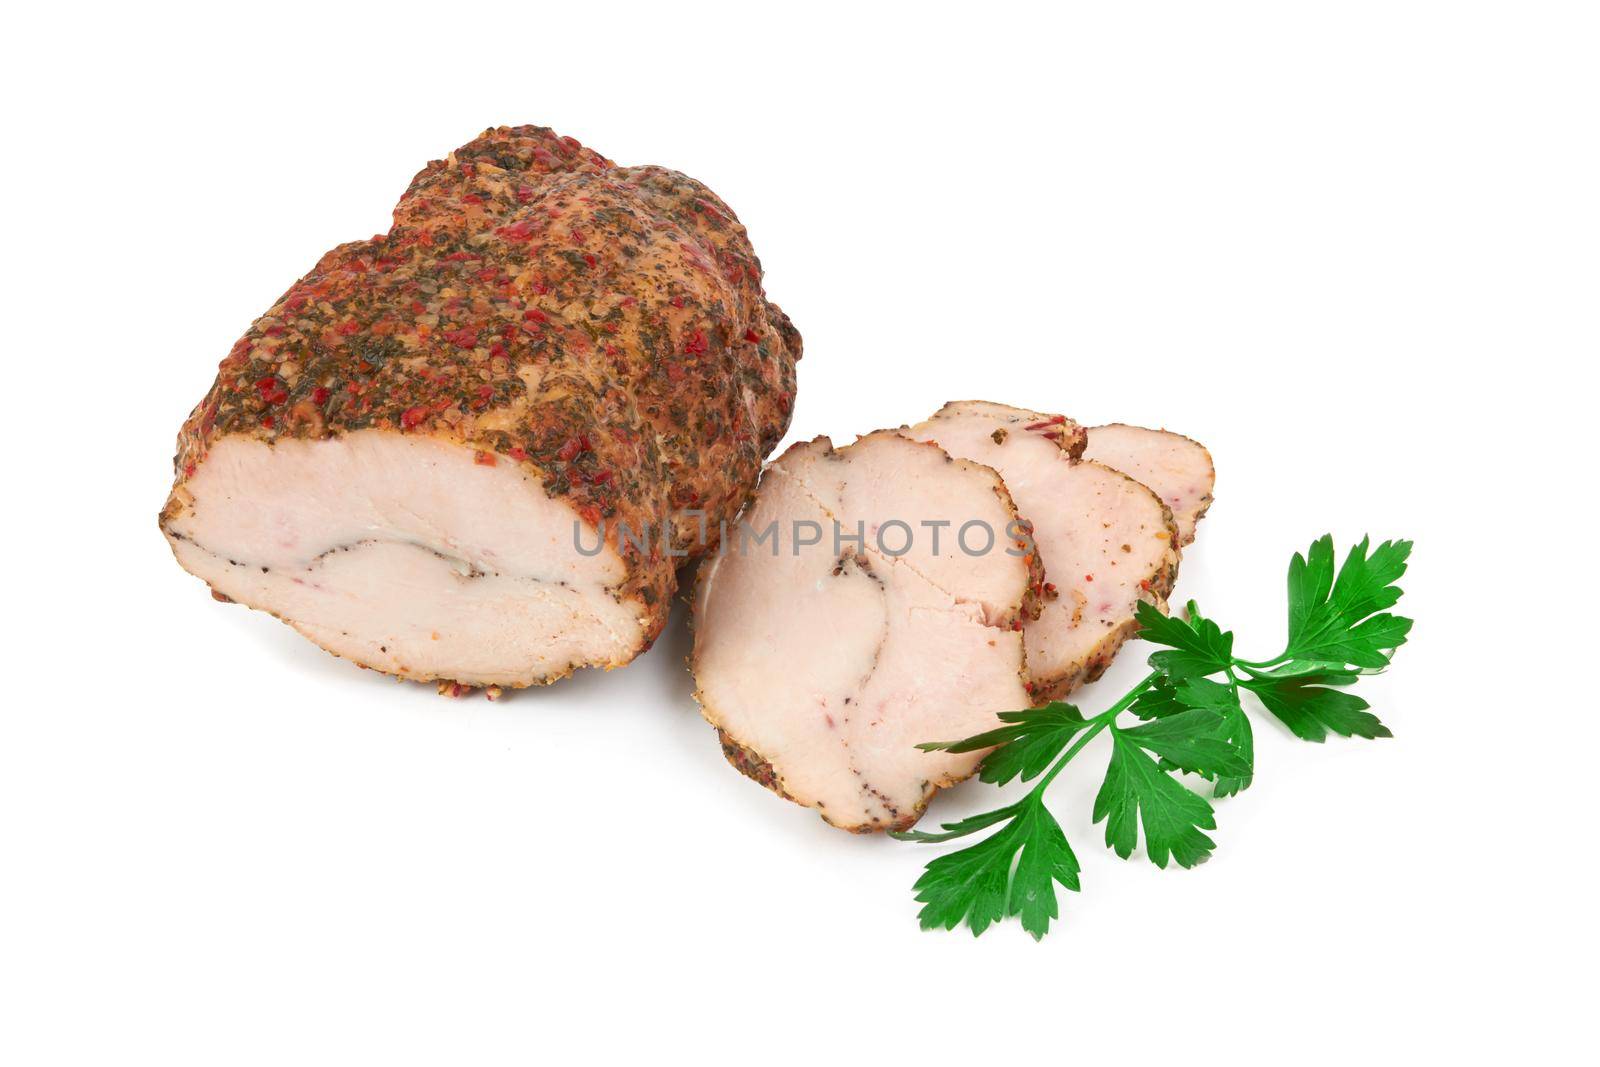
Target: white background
x,y
1352,247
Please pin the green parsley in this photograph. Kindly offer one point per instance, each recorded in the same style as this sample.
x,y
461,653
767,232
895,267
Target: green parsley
x,y
1187,717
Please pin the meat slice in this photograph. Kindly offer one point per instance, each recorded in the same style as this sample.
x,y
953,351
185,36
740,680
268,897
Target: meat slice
x,y
1106,540
1178,469
823,662
477,447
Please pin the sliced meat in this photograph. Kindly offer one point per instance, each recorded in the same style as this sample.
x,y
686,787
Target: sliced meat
x,y
413,457
1107,541
824,664
1178,469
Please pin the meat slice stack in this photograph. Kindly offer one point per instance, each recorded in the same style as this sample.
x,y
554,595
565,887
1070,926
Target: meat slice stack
x,y
825,659
819,667
1107,541
412,455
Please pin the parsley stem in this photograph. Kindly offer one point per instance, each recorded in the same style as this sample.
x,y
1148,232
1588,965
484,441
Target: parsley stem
x,y
1099,722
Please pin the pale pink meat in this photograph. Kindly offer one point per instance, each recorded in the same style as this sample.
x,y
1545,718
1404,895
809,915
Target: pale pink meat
x,y
824,665
405,554
1107,541
1178,469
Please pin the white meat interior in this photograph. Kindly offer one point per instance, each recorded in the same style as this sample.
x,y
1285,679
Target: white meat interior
x,y
831,666
404,553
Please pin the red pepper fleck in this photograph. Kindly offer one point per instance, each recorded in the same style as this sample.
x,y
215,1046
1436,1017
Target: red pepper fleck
x,y
349,327
696,344
472,198
517,231
535,315
751,336
464,338
266,421
572,447
411,416
272,390
1088,577
320,395
517,453
483,459
587,258
525,194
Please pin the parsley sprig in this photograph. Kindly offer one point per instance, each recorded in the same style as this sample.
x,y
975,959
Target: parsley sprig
x,y
1186,717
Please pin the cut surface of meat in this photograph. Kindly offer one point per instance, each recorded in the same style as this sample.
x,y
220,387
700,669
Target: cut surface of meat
x,y
1107,542
1176,468
824,663
476,448
403,553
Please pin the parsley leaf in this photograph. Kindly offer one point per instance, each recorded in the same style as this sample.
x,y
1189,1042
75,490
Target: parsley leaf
x,y
1191,741
1236,730
1307,705
1233,727
960,828
1158,701
1137,791
1341,621
1028,742
1012,872
1198,646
